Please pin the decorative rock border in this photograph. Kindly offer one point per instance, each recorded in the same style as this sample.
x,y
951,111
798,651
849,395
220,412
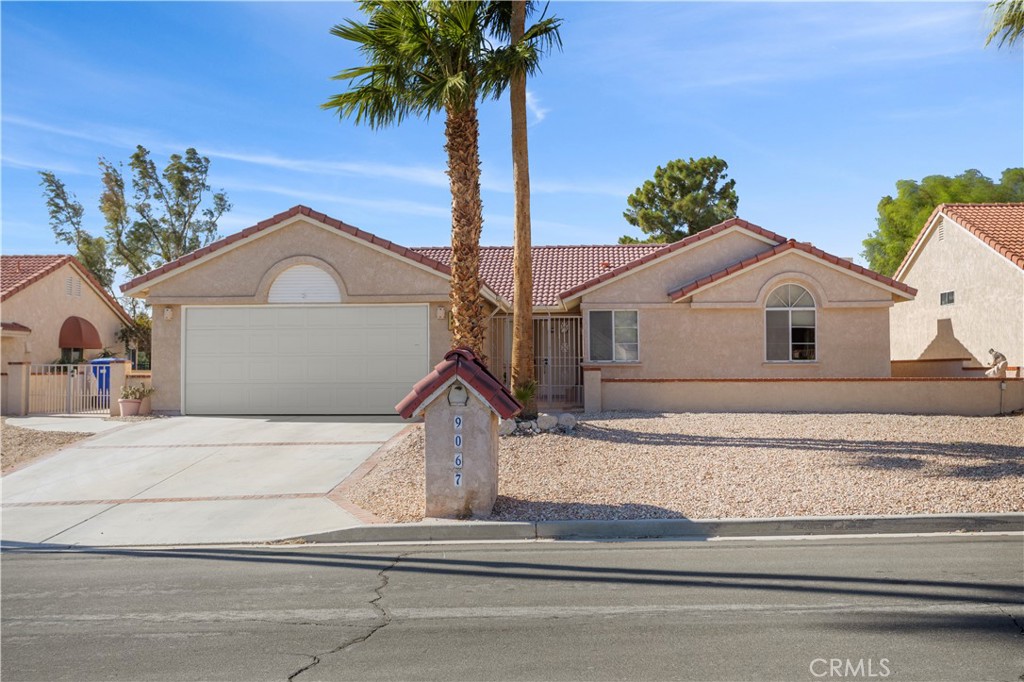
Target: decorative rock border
x,y
544,423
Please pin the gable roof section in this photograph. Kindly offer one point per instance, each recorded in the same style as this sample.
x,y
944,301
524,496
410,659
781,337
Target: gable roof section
x,y
668,249
460,363
555,268
17,273
1001,226
294,211
726,273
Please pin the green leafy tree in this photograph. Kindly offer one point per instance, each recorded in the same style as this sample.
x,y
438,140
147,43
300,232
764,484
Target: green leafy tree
x,y
162,219
426,57
684,198
901,219
1007,22
66,222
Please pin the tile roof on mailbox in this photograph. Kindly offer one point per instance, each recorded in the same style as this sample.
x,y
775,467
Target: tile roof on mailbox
x,y
462,364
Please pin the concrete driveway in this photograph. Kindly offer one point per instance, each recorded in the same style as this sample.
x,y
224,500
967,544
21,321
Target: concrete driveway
x,y
187,480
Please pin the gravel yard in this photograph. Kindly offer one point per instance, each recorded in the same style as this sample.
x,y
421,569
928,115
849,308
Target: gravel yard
x,y
18,445
630,466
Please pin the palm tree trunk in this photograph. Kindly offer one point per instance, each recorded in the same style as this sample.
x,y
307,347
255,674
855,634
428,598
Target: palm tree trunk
x,y
523,374
462,145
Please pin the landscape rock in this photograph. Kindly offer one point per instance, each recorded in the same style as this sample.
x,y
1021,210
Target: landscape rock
x,y
567,421
546,422
507,427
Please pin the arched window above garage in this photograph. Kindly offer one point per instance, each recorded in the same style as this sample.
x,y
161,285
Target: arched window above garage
x,y
304,284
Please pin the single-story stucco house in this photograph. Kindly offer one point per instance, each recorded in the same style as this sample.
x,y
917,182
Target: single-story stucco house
x,y
283,317
968,267
53,309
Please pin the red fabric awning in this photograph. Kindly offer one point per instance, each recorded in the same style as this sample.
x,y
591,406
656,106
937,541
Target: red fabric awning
x,y
79,333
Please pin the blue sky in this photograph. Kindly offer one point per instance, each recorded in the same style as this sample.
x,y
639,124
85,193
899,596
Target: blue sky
x,y
818,108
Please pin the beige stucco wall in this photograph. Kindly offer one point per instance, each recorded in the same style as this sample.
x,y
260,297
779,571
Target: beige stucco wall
x,y
721,332
970,397
243,275
44,306
988,311
652,283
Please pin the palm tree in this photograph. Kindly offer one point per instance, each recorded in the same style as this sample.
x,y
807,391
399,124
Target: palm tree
x,y
426,57
508,21
1008,20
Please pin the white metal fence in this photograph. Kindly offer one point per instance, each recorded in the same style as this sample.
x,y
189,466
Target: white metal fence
x,y
557,352
69,389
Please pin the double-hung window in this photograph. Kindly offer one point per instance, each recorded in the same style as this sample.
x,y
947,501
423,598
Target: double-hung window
x,y
614,336
790,324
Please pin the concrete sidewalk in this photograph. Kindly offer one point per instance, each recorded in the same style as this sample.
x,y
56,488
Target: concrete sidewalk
x,y
80,423
193,480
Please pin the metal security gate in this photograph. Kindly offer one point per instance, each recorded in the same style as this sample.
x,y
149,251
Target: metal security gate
x,y
557,352
69,389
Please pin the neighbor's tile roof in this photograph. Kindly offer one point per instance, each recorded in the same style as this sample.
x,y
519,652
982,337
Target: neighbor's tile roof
x,y
19,272
276,220
463,364
555,268
692,287
1001,226
14,327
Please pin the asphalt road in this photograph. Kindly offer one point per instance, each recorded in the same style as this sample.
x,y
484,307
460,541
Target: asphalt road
x,y
925,608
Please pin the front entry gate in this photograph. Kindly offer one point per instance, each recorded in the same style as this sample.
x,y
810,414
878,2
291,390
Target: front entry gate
x,y
69,389
557,354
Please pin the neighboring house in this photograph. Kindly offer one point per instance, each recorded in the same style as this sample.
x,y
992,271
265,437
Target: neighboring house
x,y
968,267
285,316
52,309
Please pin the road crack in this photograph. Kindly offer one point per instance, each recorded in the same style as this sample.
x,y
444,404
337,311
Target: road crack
x,y
384,619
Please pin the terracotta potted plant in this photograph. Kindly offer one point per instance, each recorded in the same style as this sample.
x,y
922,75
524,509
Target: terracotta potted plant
x,y
131,399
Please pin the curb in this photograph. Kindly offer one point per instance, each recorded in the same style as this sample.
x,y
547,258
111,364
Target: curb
x,y
454,531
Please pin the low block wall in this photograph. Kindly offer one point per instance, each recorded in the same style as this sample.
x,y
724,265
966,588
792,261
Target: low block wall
x,y
968,397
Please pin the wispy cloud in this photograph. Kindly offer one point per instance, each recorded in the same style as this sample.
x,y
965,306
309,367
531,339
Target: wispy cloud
x,y
776,42
534,107
420,175
320,197
32,164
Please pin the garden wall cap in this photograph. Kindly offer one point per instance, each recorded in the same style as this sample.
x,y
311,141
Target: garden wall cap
x,y
464,365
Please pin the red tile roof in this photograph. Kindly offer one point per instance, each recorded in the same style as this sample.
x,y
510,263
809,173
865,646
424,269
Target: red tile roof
x,y
276,220
689,289
1001,226
13,327
462,364
664,250
555,268
19,272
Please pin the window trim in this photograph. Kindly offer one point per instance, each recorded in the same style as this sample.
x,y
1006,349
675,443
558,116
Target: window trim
x,y
952,297
613,361
789,311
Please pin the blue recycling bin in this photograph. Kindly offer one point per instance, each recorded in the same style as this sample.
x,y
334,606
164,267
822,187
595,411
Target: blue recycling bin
x,y
100,368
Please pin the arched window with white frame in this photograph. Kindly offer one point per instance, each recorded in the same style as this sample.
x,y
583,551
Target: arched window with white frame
x,y
790,323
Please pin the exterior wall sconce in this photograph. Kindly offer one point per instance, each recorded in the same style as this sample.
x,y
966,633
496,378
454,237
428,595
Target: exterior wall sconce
x,y
168,313
458,396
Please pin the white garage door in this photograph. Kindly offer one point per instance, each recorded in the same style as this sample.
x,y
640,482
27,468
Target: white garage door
x,y
302,359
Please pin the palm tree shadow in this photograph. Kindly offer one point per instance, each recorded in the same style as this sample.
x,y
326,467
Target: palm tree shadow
x,y
987,461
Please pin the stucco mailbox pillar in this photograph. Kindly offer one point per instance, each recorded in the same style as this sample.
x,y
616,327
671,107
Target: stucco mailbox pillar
x,y
461,402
